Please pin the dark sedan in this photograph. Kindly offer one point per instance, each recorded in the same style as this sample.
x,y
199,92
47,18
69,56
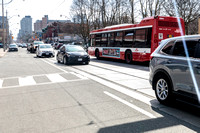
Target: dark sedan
x,y
13,47
70,54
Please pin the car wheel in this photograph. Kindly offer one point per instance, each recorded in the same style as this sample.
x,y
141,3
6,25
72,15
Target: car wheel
x,y
163,89
65,60
57,59
86,63
128,57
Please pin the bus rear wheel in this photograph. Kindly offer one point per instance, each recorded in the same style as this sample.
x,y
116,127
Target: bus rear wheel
x,y
97,54
128,57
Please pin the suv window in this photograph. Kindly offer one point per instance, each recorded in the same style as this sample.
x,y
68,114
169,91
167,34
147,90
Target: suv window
x,y
179,48
191,46
168,48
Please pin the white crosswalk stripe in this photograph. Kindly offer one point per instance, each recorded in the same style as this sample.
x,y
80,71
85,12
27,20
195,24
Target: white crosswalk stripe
x,y
55,78
26,81
33,79
78,75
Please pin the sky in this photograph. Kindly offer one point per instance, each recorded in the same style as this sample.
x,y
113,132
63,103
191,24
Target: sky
x,y
36,9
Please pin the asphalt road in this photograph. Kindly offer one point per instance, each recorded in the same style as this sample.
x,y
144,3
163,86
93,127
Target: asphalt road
x,y
38,95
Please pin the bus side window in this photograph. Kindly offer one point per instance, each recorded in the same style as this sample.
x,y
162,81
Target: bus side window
x,y
111,39
98,40
92,40
118,39
128,38
141,38
104,40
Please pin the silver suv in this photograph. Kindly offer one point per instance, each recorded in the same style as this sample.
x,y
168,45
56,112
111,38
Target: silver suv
x,y
175,69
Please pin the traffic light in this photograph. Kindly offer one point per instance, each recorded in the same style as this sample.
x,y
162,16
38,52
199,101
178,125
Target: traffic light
x,y
12,37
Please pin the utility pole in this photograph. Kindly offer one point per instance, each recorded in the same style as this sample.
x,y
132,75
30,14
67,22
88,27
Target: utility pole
x,y
6,29
3,27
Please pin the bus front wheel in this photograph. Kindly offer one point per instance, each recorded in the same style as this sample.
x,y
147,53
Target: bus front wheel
x,y
128,57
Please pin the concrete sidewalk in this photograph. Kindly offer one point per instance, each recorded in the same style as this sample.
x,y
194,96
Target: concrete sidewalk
x,y
2,53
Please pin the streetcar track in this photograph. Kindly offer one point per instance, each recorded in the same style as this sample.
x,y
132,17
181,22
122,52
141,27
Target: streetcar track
x,y
114,71
119,72
136,90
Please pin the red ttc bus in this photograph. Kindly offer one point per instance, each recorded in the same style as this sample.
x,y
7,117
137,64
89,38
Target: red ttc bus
x,y
133,42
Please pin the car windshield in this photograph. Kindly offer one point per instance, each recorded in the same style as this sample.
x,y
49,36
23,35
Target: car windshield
x,y
74,49
36,43
13,45
45,46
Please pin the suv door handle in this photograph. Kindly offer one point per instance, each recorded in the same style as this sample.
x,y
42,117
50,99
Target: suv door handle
x,y
169,62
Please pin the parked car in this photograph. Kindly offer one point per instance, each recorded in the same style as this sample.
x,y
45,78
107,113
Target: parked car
x,y
72,54
172,67
24,45
35,45
13,47
45,50
19,45
1,45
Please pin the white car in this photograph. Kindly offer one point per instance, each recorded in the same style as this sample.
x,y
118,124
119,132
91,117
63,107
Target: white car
x,y
45,50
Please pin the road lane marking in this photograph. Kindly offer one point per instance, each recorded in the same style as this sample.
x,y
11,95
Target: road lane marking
x,y
46,83
55,78
1,83
30,81
78,75
37,75
26,81
130,105
116,87
55,66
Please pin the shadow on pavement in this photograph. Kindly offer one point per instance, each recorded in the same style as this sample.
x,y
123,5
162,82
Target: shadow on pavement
x,y
152,125
145,126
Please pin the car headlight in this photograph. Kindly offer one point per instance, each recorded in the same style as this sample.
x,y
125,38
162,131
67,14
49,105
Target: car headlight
x,y
85,55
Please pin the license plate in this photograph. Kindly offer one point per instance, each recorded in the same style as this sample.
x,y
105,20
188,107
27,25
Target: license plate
x,y
13,49
79,59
